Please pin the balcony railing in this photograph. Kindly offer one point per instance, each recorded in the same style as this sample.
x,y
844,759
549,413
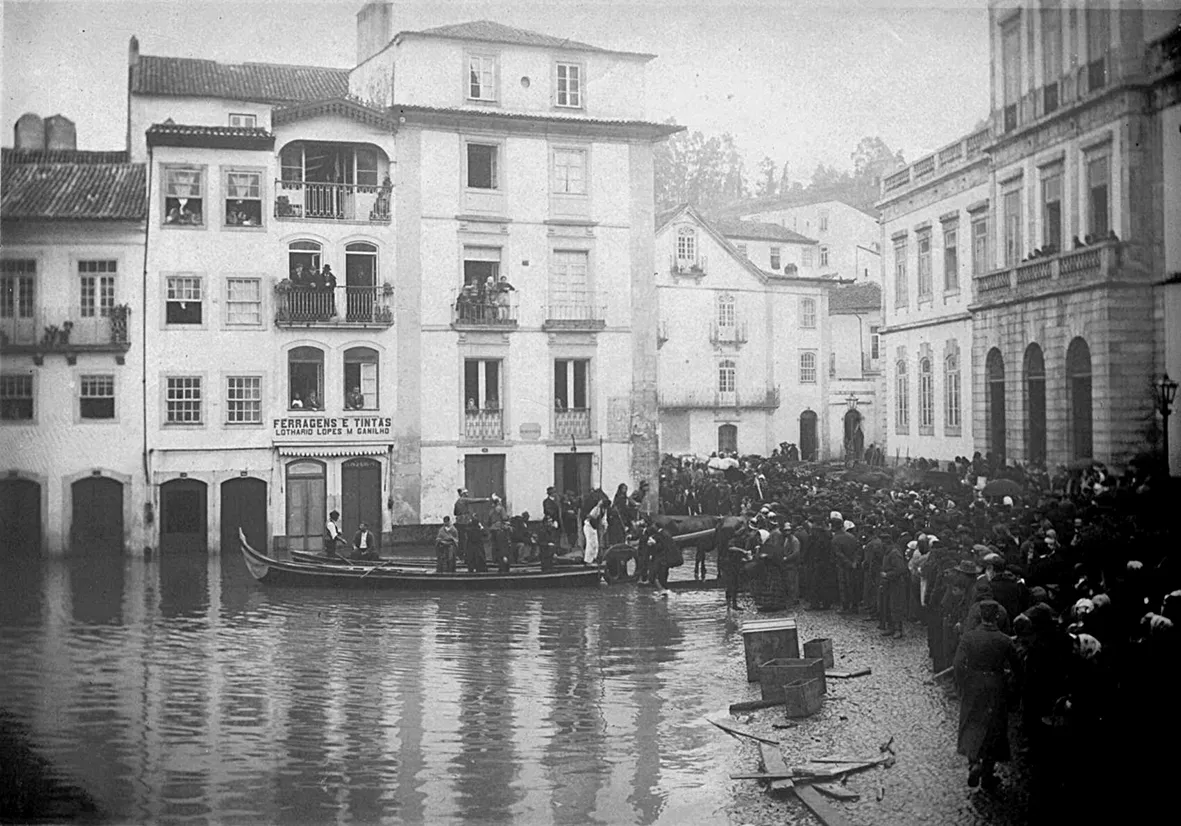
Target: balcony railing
x,y
728,333
575,312
713,400
499,312
332,307
63,329
484,425
684,267
1090,263
332,202
574,422
924,167
954,154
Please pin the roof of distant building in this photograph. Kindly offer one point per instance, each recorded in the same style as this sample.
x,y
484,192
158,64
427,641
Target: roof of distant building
x,y
759,231
88,186
266,82
860,297
448,114
488,31
209,137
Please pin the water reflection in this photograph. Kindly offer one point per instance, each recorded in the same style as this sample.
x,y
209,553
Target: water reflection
x,y
180,691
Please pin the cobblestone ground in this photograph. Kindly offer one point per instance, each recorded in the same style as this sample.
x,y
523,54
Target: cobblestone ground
x,y
927,784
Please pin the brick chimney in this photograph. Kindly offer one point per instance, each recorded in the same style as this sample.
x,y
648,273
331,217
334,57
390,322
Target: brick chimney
x,y
375,28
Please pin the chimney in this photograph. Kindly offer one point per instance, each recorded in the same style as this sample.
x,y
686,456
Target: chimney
x,y
60,133
133,51
30,133
375,28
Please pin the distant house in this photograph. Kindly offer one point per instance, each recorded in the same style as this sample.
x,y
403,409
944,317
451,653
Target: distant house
x,y
848,239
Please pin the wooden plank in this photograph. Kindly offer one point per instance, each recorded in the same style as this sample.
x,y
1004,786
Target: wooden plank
x,y
737,732
820,807
773,764
843,759
760,776
753,705
836,791
848,675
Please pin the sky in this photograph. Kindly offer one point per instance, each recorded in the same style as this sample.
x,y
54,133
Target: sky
x,y
797,80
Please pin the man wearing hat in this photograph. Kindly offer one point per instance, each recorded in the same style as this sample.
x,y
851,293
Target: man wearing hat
x,y
465,515
953,608
846,551
893,576
551,517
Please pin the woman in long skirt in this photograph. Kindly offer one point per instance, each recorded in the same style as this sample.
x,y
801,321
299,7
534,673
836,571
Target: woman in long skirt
x,y
590,532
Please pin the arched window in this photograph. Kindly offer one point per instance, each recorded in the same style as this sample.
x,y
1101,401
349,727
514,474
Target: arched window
x,y
953,412
303,256
1078,399
994,402
687,245
360,378
728,438
1035,404
305,378
726,314
926,396
901,396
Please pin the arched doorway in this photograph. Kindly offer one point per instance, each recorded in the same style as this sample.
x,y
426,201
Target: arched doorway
x,y
809,440
243,505
1078,399
1035,405
994,371
306,505
728,438
854,435
183,505
96,515
360,496
20,517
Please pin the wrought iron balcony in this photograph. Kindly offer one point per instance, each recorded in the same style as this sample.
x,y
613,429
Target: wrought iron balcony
x,y
63,329
728,333
580,312
486,425
572,422
686,268
295,200
1095,262
497,312
351,307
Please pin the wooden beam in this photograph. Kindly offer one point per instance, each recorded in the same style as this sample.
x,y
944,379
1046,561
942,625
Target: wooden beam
x,y
848,675
820,807
836,791
737,732
773,764
753,705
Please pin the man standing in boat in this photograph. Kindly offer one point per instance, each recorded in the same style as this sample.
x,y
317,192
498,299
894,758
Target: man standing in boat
x,y
333,542
465,515
364,543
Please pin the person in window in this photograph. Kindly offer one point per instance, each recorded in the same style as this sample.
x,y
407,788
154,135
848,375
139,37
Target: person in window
x,y
313,402
503,288
491,403
559,405
236,215
173,216
316,295
364,544
296,402
328,277
472,407
355,400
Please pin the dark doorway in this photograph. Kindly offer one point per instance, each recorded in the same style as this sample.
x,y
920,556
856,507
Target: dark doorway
x,y
244,505
183,525
854,436
572,472
484,476
994,369
1078,401
728,438
306,505
360,278
809,439
360,496
20,517
1035,405
96,517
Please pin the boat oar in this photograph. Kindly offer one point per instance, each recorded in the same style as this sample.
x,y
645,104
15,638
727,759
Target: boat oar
x,y
381,564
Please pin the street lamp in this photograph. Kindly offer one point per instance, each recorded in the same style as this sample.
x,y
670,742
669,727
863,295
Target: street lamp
x,y
852,401
1166,391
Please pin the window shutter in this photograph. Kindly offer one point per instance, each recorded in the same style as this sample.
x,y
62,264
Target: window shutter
x,y
369,383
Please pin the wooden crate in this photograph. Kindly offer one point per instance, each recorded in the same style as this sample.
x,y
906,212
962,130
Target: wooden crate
x,y
775,674
820,647
768,639
803,698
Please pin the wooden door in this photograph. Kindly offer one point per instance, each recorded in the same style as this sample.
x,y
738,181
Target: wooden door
x,y
244,505
307,496
809,440
96,515
20,517
360,496
572,472
183,524
484,476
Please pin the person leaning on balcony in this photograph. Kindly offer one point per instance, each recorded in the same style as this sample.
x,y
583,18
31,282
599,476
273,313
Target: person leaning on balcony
x,y
329,279
503,288
355,400
472,407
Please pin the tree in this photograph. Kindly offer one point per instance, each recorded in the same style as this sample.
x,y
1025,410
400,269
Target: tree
x,y
705,172
768,180
873,159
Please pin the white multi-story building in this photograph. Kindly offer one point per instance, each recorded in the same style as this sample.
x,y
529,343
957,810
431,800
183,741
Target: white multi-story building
x,y
71,345
743,350
855,370
848,240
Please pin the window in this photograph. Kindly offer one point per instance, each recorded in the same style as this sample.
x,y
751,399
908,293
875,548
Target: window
x,y
741,250
901,397
951,258
808,313
807,368
16,287
926,396
570,171
570,384
727,376
1098,183
1011,62
97,285
243,121
481,385
303,256
1098,44
1052,209
480,264
360,378
951,389
823,221
727,317
326,163
775,262
687,245
924,245
481,166
305,378
570,85
980,245
96,397
183,400
1012,218
481,72
184,189
243,400
901,289
807,256
183,300
875,341
243,302
16,397
824,256
243,196
1051,56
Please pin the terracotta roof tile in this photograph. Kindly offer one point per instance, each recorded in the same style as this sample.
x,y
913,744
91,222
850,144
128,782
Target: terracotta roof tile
x,y
73,191
270,82
863,296
758,231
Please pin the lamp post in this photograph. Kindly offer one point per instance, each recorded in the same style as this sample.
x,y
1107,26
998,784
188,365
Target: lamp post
x,y
1166,391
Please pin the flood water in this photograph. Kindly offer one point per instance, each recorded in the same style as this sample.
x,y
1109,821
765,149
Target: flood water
x,y
181,691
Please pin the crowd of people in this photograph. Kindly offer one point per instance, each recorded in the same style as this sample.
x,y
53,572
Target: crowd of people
x,y
485,301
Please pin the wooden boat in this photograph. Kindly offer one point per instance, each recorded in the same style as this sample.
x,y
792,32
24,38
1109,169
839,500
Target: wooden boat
x,y
423,562
388,574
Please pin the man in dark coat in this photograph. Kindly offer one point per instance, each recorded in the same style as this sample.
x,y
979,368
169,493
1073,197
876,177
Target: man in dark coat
x,y
551,517
893,577
874,552
980,662
846,551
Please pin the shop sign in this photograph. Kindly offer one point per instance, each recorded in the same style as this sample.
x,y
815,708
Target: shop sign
x,y
302,427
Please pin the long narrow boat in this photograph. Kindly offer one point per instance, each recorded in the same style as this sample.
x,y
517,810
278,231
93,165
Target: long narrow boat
x,y
387,575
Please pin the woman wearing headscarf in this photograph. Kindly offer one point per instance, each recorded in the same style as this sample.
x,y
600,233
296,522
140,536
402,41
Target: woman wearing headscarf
x,y
980,662
590,532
